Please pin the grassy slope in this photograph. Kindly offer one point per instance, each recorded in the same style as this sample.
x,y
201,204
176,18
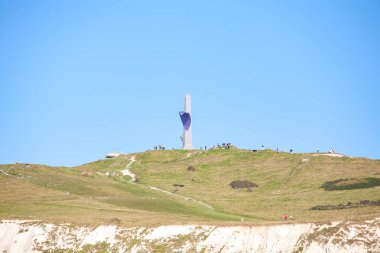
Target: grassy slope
x,y
288,184
38,192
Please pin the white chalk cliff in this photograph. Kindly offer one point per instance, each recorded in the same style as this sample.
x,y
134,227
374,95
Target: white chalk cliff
x,y
32,236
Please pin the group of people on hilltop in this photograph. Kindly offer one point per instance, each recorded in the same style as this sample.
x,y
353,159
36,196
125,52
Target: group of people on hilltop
x,y
224,145
228,145
159,147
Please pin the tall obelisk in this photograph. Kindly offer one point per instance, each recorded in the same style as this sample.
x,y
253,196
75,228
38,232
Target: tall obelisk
x,y
186,121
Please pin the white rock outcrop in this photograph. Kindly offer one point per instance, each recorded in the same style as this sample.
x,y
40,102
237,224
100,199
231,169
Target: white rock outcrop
x,y
32,236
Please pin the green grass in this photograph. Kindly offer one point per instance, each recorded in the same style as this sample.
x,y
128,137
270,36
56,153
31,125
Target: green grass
x,y
288,183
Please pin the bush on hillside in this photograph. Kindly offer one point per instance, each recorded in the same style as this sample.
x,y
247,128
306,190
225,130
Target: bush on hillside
x,y
243,184
190,168
351,183
361,203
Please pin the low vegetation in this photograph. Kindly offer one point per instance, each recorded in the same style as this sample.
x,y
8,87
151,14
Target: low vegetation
x,y
352,183
361,203
190,168
242,184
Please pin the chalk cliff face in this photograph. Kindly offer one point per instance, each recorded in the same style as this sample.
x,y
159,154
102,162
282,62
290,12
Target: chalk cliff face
x,y
31,236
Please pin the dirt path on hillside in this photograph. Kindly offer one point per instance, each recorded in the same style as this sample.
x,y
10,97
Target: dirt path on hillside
x,y
127,172
329,154
180,196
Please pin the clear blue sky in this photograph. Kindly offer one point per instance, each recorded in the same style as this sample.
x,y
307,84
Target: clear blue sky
x,y
79,79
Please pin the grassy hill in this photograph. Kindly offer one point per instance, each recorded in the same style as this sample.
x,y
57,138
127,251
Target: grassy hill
x,y
98,193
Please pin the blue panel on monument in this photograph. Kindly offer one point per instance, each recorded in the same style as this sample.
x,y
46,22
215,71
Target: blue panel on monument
x,y
186,119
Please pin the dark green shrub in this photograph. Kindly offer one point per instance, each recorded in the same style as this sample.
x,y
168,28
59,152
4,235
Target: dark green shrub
x,y
361,203
242,184
351,183
190,168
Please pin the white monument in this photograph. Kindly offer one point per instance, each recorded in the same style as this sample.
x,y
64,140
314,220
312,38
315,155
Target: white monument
x,y
187,142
